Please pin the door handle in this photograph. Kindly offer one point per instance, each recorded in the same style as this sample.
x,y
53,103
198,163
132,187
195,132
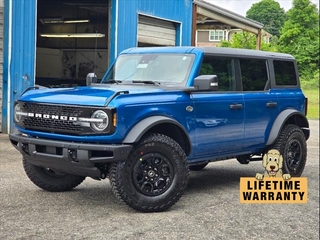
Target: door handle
x,y
272,104
236,106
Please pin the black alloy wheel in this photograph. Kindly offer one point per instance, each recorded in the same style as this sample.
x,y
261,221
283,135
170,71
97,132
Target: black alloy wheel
x,y
154,176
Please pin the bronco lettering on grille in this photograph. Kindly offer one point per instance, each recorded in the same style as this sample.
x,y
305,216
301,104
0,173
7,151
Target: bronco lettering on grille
x,y
55,117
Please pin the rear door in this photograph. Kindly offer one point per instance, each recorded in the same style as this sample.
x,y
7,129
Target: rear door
x,y
261,103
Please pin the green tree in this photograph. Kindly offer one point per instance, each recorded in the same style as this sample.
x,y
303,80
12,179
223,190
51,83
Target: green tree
x,y
300,37
270,14
248,40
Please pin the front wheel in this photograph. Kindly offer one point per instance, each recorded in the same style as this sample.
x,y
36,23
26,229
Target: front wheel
x,y
50,180
154,176
293,147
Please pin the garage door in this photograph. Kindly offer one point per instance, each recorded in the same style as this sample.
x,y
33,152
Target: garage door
x,y
1,59
156,32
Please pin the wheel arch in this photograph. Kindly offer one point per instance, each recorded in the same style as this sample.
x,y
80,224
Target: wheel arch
x,y
288,116
163,125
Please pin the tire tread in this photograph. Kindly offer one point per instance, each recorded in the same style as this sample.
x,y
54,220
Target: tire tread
x,y
49,184
122,196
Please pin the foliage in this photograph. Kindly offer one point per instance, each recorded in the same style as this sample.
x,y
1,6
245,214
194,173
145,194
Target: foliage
x,y
248,40
313,102
300,37
270,14
310,80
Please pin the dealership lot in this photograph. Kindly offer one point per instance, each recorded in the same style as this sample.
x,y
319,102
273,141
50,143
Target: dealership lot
x,y
210,208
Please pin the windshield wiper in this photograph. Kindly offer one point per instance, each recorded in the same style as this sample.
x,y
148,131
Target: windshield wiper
x,y
113,81
147,82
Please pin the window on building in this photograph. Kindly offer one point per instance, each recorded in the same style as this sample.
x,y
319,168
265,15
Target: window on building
x,y
216,35
285,73
223,68
254,74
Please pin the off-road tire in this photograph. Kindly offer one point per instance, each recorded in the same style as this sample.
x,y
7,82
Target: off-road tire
x,y
133,183
50,180
198,167
291,143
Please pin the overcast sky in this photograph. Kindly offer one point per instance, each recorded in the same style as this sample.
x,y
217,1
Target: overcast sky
x,y
242,6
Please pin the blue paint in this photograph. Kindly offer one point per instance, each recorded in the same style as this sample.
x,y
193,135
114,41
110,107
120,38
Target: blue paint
x,y
123,34
178,11
20,68
215,127
5,68
94,96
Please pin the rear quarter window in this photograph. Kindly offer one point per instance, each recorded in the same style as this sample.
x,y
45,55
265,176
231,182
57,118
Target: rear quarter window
x,y
285,73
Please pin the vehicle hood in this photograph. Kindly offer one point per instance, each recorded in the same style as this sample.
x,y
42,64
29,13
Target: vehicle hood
x,y
88,96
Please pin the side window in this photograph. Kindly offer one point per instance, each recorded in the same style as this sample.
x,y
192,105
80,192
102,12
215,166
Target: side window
x,y
285,73
254,74
223,68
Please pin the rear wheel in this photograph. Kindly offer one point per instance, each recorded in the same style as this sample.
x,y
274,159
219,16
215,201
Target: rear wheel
x,y
154,176
293,147
50,180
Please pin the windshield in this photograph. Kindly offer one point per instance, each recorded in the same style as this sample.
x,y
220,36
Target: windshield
x,y
146,68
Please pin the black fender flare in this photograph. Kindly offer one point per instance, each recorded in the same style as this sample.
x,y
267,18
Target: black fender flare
x,y
282,119
144,125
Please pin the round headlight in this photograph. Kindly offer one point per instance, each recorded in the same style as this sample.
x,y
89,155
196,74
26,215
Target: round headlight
x,y
99,121
17,113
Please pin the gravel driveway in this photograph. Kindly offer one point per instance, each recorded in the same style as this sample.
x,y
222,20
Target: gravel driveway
x,y
210,208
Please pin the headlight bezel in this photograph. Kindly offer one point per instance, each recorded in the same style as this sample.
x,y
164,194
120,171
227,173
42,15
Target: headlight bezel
x,y
102,121
18,113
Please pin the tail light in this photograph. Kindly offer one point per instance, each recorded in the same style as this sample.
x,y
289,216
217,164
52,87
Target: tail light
x,y
306,106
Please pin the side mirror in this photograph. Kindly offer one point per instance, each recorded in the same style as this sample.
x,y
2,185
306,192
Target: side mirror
x,y
206,83
91,78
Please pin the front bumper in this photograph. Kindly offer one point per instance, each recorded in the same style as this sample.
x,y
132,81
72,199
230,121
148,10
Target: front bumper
x,y
84,159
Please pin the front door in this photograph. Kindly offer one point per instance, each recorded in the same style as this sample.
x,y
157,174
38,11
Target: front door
x,y
219,123
219,115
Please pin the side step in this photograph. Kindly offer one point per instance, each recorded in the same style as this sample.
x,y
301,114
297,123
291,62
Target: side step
x,y
245,159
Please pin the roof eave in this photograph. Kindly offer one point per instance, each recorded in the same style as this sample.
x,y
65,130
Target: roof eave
x,y
229,14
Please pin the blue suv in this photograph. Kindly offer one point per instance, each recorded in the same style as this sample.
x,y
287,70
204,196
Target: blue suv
x,y
157,114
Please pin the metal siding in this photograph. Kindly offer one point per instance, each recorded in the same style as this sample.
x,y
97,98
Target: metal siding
x,y
1,59
113,33
21,64
179,11
20,71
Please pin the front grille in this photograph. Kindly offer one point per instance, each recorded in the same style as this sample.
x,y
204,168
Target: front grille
x,y
62,119
52,109
52,125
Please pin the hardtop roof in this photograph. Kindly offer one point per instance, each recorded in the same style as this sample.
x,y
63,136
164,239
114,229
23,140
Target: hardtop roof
x,y
244,52
221,51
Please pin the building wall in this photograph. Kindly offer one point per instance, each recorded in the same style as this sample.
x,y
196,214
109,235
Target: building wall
x,y
204,41
20,42
19,54
1,57
125,20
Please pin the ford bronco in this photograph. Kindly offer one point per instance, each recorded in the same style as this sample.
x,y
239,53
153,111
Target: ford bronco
x,y
157,114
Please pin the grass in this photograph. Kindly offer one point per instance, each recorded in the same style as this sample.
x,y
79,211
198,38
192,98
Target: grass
x,y
313,102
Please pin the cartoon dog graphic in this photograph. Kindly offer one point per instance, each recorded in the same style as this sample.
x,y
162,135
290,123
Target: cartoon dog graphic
x,y
272,162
